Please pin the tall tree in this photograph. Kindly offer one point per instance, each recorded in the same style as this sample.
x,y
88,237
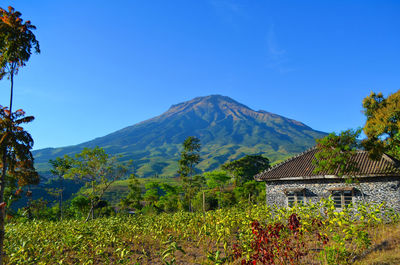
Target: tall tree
x,y
190,157
383,124
60,167
245,168
98,171
16,43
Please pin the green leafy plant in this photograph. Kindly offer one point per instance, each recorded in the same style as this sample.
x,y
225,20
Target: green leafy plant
x,y
168,255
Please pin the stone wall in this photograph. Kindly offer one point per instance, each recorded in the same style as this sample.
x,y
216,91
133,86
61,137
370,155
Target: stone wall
x,y
375,189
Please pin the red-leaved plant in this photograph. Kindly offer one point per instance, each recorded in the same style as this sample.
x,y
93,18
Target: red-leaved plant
x,y
275,243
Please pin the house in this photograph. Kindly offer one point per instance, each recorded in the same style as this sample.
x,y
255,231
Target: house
x,y
294,181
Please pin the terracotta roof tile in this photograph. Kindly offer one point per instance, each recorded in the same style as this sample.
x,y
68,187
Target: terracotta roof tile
x,y
301,166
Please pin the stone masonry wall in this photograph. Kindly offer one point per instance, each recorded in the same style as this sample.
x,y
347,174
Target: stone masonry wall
x,y
375,189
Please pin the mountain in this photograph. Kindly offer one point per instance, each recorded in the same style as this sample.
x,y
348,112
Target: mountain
x,y
226,128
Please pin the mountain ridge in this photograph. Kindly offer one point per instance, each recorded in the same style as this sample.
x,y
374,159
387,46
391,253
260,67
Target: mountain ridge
x,y
226,128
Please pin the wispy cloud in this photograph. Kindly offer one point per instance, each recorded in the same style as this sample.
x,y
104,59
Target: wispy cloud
x,y
277,57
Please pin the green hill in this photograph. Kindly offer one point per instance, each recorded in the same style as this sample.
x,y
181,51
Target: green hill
x,y
227,130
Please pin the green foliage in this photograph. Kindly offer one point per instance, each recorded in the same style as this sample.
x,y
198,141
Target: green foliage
x,y
335,152
383,123
216,258
169,202
395,149
245,168
59,167
139,238
153,192
134,197
80,206
190,157
217,179
210,200
98,171
250,192
168,255
12,194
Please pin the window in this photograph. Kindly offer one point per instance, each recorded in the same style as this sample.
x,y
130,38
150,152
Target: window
x,y
295,196
342,197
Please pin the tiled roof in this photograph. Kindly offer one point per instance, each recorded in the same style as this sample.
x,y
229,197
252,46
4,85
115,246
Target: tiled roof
x,y
301,166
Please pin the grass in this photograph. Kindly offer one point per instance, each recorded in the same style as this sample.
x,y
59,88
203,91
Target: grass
x,y
385,249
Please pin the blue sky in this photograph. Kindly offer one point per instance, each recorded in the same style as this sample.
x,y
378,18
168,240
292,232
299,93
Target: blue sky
x,y
107,65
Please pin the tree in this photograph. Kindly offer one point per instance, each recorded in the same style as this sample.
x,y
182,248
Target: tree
x,y
250,191
152,194
217,179
134,196
16,43
60,167
395,150
245,168
335,153
383,124
169,202
80,205
98,171
190,157
16,157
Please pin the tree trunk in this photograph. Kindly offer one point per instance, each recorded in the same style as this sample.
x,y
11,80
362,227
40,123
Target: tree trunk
x,y
12,88
90,214
190,193
2,212
61,197
3,176
92,201
204,204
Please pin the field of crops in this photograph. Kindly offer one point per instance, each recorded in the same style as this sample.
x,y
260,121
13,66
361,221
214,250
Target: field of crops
x,y
314,233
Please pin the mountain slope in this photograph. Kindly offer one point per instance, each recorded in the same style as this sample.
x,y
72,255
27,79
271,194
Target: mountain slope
x,y
226,128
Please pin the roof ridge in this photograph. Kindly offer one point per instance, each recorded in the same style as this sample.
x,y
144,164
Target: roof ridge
x,y
287,160
391,159
301,166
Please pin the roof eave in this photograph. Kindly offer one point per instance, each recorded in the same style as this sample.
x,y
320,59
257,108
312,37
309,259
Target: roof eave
x,y
328,177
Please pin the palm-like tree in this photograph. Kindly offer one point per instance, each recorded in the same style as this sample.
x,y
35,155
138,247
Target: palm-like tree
x,y
16,43
16,157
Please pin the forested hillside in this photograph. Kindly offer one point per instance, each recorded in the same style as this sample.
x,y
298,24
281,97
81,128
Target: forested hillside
x,y
227,130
